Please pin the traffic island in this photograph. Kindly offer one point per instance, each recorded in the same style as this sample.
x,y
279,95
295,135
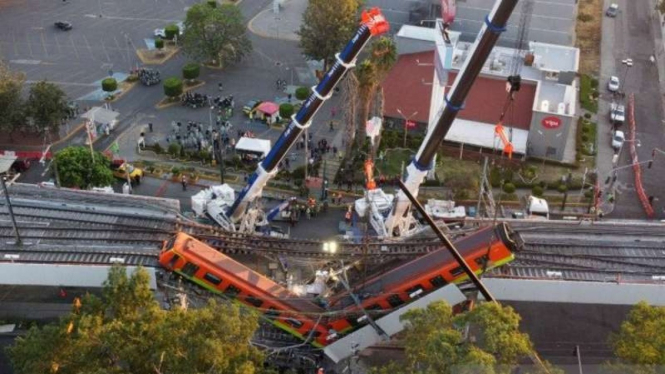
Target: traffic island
x,y
157,57
187,86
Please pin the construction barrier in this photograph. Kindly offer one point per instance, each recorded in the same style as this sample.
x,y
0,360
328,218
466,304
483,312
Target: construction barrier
x,y
639,187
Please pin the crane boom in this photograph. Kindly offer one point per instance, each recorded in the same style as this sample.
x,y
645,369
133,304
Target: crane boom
x,y
495,24
372,23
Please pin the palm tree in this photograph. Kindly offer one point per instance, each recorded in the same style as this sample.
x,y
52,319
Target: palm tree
x,y
370,74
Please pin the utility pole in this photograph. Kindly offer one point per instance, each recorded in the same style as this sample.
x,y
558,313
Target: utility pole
x,y
323,182
579,358
11,211
221,156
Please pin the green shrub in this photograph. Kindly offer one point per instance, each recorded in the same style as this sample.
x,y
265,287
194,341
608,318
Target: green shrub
x,y
537,191
286,110
585,138
174,149
132,78
587,115
212,3
157,148
172,87
562,188
509,188
588,194
595,94
109,85
302,92
171,31
176,170
191,71
594,83
159,43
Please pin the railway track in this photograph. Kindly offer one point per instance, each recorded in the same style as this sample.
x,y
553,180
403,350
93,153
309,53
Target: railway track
x,y
89,255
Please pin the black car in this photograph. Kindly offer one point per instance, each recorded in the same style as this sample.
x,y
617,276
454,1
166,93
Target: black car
x,y
64,26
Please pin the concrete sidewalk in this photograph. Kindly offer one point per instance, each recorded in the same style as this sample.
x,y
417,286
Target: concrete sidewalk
x,y
281,25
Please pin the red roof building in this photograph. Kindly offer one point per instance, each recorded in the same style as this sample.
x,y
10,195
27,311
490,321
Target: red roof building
x,y
408,87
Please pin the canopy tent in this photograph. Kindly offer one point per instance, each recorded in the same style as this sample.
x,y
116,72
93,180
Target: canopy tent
x,y
101,115
253,145
268,107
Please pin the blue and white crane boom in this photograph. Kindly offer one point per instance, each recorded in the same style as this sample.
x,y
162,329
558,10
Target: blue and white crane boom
x,y
372,23
398,220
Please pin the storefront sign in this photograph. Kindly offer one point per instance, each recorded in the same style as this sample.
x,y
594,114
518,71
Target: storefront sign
x,y
551,122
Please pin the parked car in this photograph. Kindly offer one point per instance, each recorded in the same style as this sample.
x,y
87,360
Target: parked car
x,y
612,10
250,106
618,139
617,113
613,84
20,165
63,25
121,168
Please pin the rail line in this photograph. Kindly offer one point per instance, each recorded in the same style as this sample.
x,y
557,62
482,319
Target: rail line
x,y
88,255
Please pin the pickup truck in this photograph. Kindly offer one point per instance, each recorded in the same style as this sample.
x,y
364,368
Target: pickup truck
x,y
617,113
121,168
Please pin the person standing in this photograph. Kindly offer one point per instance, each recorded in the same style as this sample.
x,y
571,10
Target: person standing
x,y
184,183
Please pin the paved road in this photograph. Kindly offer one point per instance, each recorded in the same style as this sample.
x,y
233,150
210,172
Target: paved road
x,y
633,34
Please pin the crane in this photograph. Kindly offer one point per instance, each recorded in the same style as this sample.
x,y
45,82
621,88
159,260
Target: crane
x,y
243,215
514,81
399,219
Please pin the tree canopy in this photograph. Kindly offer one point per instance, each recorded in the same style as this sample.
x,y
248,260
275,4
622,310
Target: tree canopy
x,y
215,34
47,106
641,340
326,27
127,332
12,106
485,340
77,169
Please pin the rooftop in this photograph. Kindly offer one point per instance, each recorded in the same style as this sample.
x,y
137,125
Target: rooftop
x,y
552,70
408,86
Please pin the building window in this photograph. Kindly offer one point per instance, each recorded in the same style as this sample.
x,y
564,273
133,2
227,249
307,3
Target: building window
x,y
438,281
552,75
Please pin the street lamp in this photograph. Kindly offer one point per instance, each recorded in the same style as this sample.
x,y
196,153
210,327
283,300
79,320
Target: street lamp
x,y
406,121
330,247
629,64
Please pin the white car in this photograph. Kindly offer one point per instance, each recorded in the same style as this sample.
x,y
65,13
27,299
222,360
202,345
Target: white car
x,y
613,84
617,113
618,139
161,33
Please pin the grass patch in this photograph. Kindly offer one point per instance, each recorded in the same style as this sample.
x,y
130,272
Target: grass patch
x,y
589,93
588,30
392,161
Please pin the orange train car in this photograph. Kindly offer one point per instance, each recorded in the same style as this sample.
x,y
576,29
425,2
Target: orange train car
x,y
483,250
220,274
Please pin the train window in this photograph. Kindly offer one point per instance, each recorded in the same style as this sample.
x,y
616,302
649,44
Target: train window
x,y
189,269
457,271
482,260
272,312
231,291
173,261
212,279
254,301
438,281
293,322
315,334
395,301
415,291
169,244
374,307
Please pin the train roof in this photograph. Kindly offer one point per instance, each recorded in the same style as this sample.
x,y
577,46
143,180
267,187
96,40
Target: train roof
x,y
244,274
421,265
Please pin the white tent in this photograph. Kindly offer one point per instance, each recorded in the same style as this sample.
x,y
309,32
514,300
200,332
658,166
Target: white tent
x,y
253,145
